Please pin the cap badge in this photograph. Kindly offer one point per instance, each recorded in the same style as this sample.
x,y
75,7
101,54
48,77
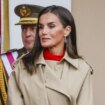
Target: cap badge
x,y
25,11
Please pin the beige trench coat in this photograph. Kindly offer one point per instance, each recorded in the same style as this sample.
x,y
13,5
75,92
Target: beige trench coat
x,y
74,88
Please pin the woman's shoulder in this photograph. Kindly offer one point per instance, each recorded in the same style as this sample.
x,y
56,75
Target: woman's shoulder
x,y
84,65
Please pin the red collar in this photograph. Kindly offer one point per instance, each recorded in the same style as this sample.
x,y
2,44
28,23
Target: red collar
x,y
49,56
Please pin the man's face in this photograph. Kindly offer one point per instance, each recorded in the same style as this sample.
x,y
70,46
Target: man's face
x,y
28,36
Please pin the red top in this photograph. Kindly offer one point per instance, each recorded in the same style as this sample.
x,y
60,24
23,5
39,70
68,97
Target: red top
x,y
49,56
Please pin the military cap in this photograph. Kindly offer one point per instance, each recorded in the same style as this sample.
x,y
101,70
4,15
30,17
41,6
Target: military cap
x,y
28,13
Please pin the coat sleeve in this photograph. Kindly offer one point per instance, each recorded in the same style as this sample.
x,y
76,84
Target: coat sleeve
x,y
86,93
14,95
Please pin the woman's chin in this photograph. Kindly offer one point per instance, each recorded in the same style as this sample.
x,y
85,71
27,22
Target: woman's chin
x,y
46,45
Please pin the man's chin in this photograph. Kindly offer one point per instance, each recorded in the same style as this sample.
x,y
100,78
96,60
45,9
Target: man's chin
x,y
28,49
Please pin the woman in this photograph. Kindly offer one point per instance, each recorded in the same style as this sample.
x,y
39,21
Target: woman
x,y
53,73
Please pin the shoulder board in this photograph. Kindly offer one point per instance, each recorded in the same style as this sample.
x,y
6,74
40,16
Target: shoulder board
x,y
91,68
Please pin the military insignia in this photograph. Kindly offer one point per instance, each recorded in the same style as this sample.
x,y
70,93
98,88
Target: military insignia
x,y
25,11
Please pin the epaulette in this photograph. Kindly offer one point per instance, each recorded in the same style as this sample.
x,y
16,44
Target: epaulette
x,y
91,68
18,59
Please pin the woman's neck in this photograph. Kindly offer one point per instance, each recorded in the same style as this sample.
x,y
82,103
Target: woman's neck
x,y
56,51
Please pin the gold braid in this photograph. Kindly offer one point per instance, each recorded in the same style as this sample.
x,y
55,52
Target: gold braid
x,y
3,82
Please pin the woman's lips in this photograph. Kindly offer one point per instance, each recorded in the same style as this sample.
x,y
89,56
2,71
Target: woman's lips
x,y
45,39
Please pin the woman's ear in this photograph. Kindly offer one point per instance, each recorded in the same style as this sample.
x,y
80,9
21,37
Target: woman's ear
x,y
67,30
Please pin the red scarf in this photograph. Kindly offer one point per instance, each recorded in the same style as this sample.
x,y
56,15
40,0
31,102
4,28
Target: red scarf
x,y
49,56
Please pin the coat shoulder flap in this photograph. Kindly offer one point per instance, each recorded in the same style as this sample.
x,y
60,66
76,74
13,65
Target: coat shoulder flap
x,y
85,66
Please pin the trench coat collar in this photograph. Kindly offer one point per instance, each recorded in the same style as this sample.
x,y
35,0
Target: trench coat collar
x,y
73,62
40,60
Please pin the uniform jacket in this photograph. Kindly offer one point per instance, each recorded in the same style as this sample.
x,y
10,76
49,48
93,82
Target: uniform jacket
x,y
74,88
10,57
6,61
21,51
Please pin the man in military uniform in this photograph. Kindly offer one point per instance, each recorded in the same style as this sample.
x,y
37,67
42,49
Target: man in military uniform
x,y
28,20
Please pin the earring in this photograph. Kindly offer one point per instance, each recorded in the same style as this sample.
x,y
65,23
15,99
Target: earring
x,y
65,40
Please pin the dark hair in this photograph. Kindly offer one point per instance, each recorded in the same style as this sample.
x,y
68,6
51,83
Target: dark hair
x,y
66,19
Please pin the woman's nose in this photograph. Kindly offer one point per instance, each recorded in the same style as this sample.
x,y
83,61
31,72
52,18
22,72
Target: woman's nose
x,y
45,30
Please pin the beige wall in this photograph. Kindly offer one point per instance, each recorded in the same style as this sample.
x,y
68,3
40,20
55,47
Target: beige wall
x,y
90,20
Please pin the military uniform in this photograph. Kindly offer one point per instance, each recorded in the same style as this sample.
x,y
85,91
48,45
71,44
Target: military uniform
x,y
28,15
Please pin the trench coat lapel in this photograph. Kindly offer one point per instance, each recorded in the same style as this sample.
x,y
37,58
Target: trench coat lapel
x,y
60,85
54,83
